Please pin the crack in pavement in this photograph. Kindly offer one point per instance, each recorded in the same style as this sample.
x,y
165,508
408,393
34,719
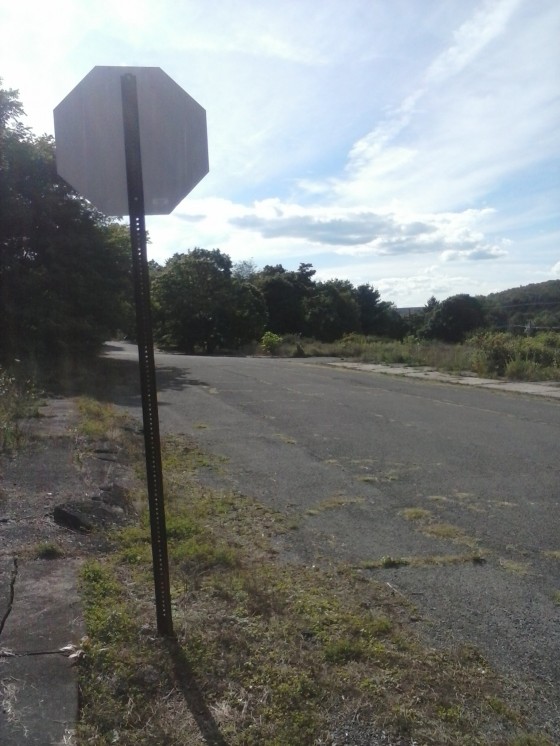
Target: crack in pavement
x,y
70,653
12,594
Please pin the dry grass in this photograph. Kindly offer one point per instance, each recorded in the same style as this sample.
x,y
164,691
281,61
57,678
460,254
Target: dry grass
x,y
448,531
334,503
517,568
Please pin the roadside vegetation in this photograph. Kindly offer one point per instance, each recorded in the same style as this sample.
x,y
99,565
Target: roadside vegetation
x,y
267,651
18,400
487,354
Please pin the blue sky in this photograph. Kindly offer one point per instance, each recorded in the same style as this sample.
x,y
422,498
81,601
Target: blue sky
x,y
411,144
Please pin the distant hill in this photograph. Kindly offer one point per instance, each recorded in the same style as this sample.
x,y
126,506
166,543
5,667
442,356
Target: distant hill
x,y
537,305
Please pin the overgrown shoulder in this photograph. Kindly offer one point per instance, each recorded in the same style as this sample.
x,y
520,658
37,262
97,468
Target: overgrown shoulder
x,y
267,651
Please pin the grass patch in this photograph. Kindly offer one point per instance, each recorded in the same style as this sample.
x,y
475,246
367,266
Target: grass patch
x,y
98,421
266,651
410,351
415,514
48,550
447,531
517,568
285,439
436,530
552,554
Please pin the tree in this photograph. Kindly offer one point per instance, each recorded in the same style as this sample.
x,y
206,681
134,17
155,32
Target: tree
x,y
245,270
454,318
284,293
248,318
377,316
64,268
332,311
200,306
11,109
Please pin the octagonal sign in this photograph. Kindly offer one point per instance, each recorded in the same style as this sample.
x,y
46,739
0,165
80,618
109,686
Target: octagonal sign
x,y
89,132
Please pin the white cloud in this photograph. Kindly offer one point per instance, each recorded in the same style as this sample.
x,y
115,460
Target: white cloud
x,y
488,22
404,144
471,121
481,253
361,232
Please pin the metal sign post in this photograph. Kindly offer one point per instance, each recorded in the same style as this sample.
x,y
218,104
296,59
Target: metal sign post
x,y
164,132
133,159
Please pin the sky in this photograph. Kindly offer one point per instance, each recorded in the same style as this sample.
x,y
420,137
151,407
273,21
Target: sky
x,y
410,144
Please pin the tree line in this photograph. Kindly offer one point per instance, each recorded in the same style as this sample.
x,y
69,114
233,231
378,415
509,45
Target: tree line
x,y
66,287
203,302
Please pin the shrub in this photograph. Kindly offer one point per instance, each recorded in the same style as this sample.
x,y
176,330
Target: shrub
x,y
270,342
522,358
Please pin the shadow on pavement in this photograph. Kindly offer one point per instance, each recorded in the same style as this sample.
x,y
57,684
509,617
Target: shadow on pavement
x,y
193,696
116,381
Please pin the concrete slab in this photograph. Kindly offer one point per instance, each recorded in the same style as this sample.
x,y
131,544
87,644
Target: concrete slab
x,y
39,703
550,389
38,685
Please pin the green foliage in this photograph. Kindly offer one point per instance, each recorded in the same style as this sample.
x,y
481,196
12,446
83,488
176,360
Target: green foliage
x,y
105,612
332,311
97,419
284,294
537,304
270,342
455,318
199,306
517,357
202,305
48,550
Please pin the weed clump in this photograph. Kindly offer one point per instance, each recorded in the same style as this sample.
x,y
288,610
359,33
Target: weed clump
x,y
18,399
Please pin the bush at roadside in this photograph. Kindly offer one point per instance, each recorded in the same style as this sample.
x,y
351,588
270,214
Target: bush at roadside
x,y
521,358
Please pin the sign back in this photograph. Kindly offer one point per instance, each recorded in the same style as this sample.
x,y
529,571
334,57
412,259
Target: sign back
x,y
90,152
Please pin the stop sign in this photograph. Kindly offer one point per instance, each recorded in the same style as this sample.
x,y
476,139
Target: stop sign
x,y
90,151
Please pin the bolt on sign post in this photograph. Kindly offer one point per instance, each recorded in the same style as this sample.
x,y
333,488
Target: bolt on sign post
x,y
132,142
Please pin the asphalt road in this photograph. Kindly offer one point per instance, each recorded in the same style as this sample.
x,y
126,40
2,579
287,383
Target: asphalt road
x,y
345,452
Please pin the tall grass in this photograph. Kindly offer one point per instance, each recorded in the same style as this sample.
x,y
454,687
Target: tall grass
x,y
410,351
489,354
518,358
17,400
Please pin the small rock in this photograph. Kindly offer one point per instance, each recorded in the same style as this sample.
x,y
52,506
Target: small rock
x,y
85,516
